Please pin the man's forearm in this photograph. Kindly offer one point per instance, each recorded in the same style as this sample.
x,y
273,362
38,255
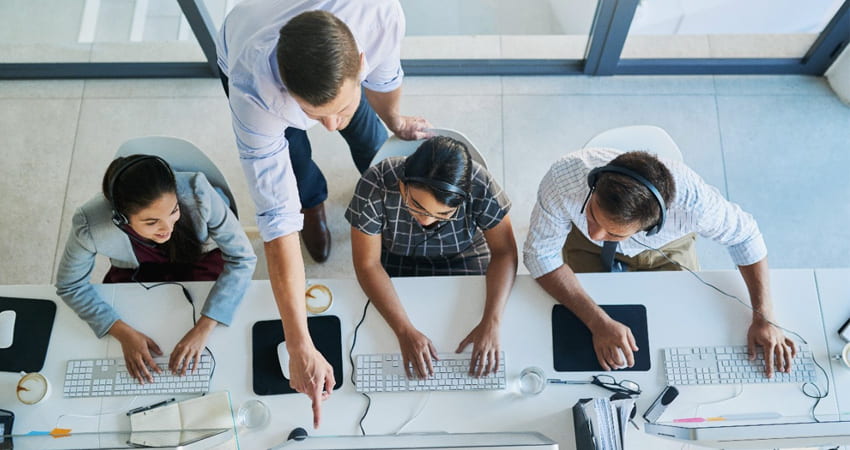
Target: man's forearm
x,y
386,104
563,285
286,274
757,278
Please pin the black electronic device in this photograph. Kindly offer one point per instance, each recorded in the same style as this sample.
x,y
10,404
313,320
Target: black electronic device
x,y
267,334
593,177
660,404
572,343
7,419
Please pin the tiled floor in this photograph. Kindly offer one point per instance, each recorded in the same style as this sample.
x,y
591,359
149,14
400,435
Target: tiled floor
x,y
777,145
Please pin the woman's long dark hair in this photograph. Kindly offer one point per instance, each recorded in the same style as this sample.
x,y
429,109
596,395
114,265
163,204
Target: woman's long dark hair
x,y
137,187
445,160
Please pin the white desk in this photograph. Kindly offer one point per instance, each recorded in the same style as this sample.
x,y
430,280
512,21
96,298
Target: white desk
x,y
834,291
681,312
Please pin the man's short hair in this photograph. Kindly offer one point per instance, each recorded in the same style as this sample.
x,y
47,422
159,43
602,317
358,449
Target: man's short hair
x,y
316,53
627,201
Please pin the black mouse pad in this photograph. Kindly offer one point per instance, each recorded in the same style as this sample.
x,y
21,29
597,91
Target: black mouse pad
x,y
572,344
31,335
266,334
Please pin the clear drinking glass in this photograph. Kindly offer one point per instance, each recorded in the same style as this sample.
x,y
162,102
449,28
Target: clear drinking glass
x,y
253,414
532,381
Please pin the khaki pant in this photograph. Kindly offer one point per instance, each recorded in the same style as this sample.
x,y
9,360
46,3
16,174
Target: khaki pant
x,y
583,256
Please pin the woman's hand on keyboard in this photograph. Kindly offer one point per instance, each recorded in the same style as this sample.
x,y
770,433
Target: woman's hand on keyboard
x,y
779,351
191,346
137,348
416,352
485,348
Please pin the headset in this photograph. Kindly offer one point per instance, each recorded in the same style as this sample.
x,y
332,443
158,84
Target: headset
x,y
118,218
593,178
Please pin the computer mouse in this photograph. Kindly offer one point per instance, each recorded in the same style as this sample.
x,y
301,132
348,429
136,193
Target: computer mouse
x,y
297,434
7,328
283,356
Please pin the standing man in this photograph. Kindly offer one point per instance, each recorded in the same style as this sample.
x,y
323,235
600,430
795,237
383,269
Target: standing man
x,y
614,210
288,65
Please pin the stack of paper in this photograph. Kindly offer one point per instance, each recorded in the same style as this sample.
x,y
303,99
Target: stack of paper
x,y
607,421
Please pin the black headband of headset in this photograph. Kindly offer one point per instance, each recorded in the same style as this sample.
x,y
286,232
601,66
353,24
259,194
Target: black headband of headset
x,y
593,177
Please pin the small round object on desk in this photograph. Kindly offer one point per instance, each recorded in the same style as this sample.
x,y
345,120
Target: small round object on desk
x,y
297,434
32,388
319,298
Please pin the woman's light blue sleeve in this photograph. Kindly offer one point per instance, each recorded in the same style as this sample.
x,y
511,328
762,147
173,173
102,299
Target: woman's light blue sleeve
x,y
73,279
238,255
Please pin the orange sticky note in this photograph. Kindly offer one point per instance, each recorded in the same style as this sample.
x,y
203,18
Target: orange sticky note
x,y
60,432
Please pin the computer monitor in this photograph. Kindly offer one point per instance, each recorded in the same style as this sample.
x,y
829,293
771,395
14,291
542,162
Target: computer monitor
x,y
426,441
173,440
781,433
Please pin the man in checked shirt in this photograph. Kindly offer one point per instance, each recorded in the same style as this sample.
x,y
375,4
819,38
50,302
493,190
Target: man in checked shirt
x,y
618,217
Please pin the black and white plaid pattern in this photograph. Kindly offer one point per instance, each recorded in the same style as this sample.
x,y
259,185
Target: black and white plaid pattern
x,y
455,247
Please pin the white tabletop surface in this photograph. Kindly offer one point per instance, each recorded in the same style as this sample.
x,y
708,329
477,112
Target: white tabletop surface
x,y
681,312
834,289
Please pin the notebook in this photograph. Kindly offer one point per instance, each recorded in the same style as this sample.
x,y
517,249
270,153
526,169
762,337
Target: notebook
x,y
572,343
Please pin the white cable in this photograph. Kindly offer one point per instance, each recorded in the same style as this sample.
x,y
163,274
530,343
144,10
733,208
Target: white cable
x,y
733,397
94,416
417,413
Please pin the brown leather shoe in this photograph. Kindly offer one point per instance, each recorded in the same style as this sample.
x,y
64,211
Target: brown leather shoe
x,y
317,237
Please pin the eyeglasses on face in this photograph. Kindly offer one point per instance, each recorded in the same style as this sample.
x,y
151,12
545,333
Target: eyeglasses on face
x,y
421,212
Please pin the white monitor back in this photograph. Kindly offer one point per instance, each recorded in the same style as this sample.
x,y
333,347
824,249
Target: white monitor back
x,y
783,433
455,441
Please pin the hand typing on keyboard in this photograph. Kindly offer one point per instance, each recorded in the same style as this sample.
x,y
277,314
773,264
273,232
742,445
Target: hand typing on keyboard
x,y
485,348
189,348
137,348
778,349
417,352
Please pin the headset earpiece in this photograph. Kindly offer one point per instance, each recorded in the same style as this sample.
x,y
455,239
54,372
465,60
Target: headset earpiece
x,y
593,177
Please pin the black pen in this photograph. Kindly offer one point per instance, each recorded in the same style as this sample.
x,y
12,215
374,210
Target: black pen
x,y
148,408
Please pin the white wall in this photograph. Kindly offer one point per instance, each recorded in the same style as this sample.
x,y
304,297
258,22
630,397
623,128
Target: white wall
x,y
838,75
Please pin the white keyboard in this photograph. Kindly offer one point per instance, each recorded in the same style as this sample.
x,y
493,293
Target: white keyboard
x,y
109,378
731,364
385,373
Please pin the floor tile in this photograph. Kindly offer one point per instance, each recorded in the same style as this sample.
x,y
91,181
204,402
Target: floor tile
x,y
538,130
459,85
37,136
772,85
41,89
448,47
154,88
617,85
786,162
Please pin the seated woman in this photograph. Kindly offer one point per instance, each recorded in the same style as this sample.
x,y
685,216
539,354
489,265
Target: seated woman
x,y
436,212
155,225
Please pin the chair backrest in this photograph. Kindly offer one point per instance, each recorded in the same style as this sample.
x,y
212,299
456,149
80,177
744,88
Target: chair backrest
x,y
638,137
182,156
394,146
